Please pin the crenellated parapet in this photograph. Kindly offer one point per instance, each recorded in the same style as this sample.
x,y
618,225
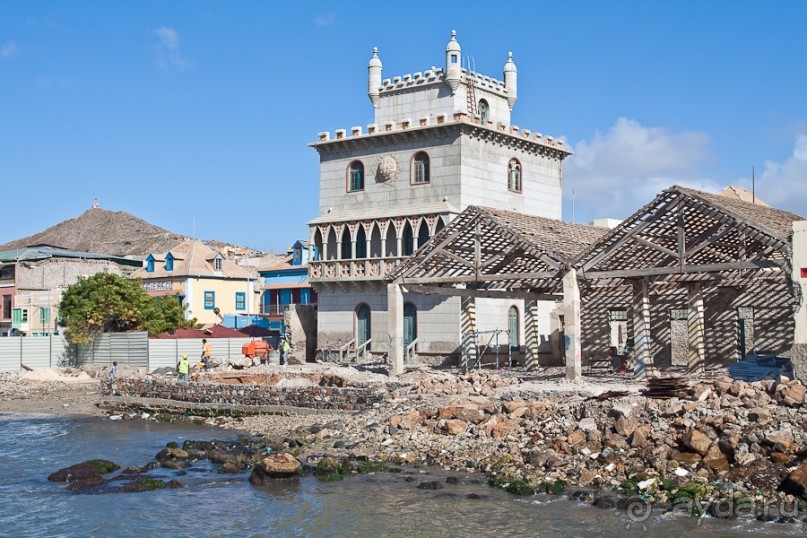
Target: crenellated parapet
x,y
392,132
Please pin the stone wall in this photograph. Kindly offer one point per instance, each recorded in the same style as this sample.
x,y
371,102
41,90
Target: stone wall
x,y
59,273
301,328
258,397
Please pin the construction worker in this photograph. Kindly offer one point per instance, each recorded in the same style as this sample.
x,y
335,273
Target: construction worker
x,y
207,352
284,351
182,369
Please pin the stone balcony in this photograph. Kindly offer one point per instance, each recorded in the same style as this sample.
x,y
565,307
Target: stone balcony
x,y
345,270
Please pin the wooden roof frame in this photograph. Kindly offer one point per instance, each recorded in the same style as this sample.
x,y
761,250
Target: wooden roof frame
x,y
684,235
480,254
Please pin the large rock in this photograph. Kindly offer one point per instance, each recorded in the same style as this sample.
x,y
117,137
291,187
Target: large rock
x,y
277,465
783,436
793,394
411,420
715,460
503,428
760,415
462,412
455,427
759,474
90,469
796,482
686,458
697,441
625,426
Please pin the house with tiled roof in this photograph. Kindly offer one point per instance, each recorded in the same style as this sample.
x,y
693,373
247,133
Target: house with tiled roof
x,y
207,284
285,283
33,278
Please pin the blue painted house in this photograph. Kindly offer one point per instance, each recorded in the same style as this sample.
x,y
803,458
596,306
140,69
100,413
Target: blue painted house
x,y
286,283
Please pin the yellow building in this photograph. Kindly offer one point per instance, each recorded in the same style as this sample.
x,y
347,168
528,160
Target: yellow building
x,y
209,285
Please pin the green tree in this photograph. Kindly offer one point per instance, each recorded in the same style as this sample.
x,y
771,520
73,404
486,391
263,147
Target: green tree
x,y
161,314
107,302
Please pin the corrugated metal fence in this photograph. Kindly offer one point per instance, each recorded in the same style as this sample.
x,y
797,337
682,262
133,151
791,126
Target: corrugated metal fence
x,y
131,349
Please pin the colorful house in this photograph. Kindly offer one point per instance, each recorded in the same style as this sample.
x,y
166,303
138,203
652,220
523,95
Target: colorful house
x,y
285,284
33,278
208,285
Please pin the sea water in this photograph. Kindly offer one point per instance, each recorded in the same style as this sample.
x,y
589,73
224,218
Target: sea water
x,y
214,504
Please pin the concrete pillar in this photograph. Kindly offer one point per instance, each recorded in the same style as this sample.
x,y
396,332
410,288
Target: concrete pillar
x,y
641,327
384,246
395,328
353,249
696,358
468,332
798,353
571,307
531,342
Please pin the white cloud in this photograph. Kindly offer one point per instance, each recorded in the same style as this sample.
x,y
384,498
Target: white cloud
x,y
168,51
616,173
328,19
9,49
784,185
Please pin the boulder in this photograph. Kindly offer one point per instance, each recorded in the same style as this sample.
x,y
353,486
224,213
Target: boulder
x,y
455,427
411,420
625,426
686,458
715,459
274,466
759,415
697,441
503,428
784,436
576,437
87,470
796,482
462,412
143,483
759,474
793,394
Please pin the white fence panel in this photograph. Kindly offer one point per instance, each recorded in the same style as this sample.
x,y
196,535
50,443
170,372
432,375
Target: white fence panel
x,y
163,354
10,354
36,352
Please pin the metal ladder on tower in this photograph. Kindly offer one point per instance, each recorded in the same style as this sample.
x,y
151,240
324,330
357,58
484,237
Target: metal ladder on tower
x,y
471,87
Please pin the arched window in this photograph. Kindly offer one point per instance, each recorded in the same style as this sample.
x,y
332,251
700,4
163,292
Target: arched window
x,y
514,175
484,111
512,324
150,264
355,177
318,244
423,234
361,243
420,168
169,262
408,240
346,251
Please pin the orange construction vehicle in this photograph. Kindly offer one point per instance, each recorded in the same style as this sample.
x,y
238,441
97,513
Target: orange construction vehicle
x,y
257,349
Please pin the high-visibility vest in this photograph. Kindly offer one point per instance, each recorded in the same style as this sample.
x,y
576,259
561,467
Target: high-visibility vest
x,y
183,366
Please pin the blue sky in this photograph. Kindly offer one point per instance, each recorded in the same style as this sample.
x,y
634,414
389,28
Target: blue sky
x,y
202,110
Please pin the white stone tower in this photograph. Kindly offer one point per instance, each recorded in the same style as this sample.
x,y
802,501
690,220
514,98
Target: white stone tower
x,y
374,77
453,62
510,80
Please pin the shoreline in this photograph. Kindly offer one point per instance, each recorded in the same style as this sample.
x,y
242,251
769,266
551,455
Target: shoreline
x,y
721,440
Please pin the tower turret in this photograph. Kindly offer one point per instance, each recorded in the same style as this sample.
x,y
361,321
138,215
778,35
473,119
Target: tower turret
x,y
374,77
453,62
511,80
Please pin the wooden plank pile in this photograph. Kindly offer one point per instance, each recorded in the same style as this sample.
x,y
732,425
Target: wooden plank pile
x,y
666,387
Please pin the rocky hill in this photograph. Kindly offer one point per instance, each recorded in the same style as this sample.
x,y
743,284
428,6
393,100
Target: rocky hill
x,y
110,232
